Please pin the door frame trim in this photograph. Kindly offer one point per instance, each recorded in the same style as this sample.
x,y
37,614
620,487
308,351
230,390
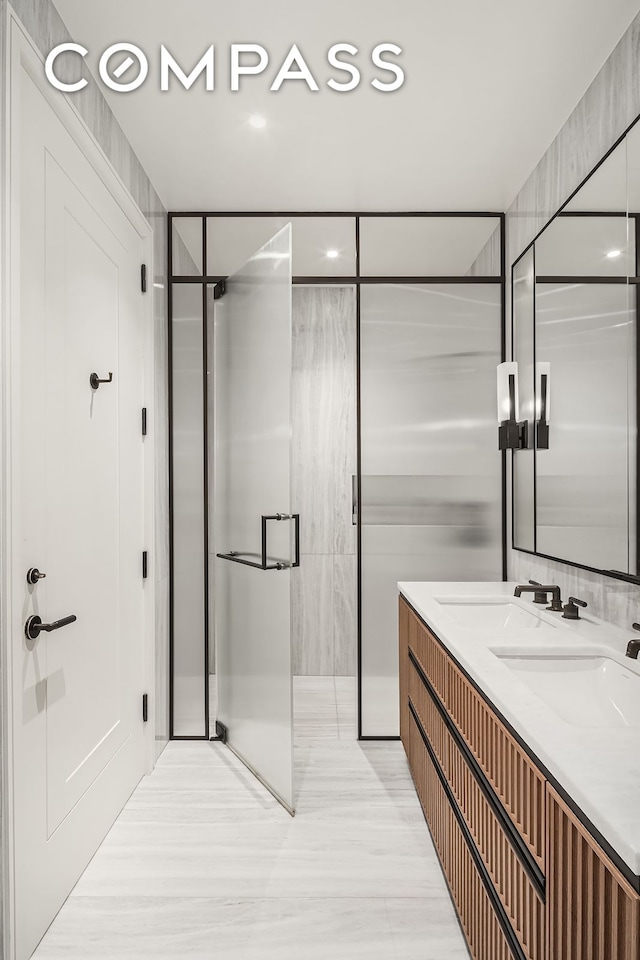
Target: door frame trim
x,y
18,51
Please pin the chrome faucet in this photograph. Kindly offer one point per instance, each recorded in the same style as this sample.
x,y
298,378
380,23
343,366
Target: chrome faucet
x,y
539,589
633,647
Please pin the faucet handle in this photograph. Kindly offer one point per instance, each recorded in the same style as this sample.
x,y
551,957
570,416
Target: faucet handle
x,y
635,626
571,611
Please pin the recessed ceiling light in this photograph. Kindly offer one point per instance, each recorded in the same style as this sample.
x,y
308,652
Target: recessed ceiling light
x,y
257,122
332,254
613,254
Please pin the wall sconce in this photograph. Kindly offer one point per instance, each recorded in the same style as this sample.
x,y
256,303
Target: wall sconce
x,y
543,404
512,435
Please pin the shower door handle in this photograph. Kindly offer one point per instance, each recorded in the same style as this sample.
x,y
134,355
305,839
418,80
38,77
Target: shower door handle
x,y
282,516
354,500
236,556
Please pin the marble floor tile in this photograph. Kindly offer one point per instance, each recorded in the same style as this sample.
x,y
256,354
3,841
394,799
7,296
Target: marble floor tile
x,y
204,863
249,929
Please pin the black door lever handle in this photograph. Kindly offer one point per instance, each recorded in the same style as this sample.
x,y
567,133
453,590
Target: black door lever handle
x,y
34,626
95,380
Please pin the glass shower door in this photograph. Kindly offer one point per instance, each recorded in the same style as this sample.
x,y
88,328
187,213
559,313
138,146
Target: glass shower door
x,y
256,534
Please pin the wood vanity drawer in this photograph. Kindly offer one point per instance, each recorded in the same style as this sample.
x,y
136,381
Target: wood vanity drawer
x,y
432,657
593,913
513,875
514,777
483,930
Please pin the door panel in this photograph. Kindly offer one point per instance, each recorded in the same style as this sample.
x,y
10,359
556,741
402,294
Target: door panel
x,y
77,723
84,261
253,453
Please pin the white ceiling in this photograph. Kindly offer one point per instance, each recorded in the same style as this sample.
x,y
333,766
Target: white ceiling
x,y
489,84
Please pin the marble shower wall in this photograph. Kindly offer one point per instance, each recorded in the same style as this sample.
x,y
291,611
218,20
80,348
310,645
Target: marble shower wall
x,y
44,25
323,463
609,106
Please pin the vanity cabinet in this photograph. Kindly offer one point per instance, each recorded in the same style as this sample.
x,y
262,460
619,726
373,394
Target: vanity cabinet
x,y
527,879
594,914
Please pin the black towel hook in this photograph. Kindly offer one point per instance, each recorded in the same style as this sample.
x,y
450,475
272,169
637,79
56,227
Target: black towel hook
x,y
95,380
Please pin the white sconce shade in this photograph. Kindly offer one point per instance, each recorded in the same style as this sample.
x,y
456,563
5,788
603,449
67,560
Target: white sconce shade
x,y
512,435
508,401
543,391
543,404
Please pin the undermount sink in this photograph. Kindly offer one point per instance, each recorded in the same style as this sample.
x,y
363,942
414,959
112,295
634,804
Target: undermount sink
x,y
495,614
588,691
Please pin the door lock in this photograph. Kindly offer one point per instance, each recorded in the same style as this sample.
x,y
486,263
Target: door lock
x,y
34,626
33,575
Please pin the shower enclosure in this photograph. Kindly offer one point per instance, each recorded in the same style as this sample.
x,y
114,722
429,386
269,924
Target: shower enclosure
x,y
398,326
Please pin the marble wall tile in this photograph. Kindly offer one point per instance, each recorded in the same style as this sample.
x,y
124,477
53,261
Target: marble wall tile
x,y
606,110
312,421
312,616
487,263
323,416
323,463
345,614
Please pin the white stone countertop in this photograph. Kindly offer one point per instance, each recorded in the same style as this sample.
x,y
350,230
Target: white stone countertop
x,y
597,765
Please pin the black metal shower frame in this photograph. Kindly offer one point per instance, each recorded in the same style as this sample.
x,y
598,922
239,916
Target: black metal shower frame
x,y
210,280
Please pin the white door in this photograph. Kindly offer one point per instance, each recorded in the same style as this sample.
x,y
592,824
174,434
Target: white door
x,y
78,743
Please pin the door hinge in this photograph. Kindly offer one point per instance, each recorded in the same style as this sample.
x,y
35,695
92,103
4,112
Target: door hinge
x,y
143,277
219,290
145,707
145,565
221,732
144,421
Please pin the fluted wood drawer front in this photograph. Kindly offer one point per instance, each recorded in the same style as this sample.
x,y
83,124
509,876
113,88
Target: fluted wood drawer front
x,y
430,793
480,924
518,894
433,659
593,913
514,777
525,909
432,722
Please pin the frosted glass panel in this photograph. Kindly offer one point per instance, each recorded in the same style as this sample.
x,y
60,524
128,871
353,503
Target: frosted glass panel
x,y
188,513
586,333
523,463
231,240
585,247
429,246
430,485
253,450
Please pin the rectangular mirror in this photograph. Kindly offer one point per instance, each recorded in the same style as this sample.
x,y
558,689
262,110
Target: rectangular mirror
x,y
574,487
